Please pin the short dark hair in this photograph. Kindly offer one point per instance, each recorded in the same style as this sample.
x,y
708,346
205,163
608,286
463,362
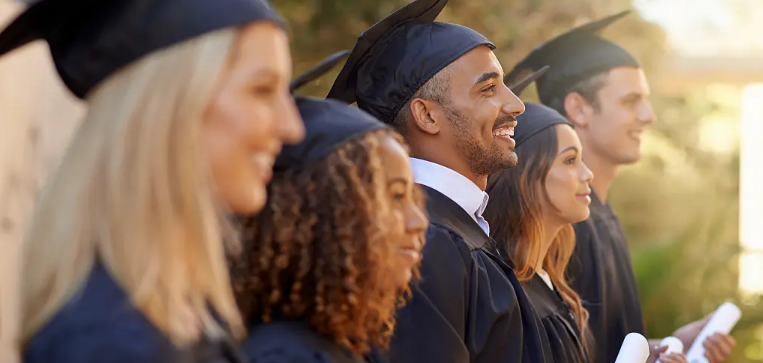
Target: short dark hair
x,y
435,89
588,88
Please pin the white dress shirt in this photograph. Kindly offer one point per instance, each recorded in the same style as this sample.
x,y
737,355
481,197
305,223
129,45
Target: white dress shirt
x,y
454,186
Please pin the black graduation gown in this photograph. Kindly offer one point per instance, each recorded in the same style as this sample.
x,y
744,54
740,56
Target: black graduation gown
x,y
469,306
100,325
558,321
601,272
293,342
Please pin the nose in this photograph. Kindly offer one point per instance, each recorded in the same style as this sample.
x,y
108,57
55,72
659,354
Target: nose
x,y
415,220
586,175
289,123
512,105
646,113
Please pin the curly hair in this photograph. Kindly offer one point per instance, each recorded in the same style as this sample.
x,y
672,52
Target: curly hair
x,y
319,251
515,219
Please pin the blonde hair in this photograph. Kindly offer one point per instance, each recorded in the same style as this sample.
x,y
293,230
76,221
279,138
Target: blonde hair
x,y
132,194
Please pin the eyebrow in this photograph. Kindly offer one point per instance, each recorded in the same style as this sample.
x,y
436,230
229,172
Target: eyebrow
x,y
398,180
634,95
568,149
486,77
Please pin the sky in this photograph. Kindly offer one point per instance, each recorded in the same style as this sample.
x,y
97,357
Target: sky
x,y
731,28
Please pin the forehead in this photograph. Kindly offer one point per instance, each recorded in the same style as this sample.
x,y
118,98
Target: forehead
x,y
566,137
256,37
394,159
473,64
624,81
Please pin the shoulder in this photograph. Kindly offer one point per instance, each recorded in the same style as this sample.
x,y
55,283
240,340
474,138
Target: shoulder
x,y
444,242
585,228
98,323
292,342
286,355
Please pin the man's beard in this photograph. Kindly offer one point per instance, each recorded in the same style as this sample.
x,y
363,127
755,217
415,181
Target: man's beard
x,y
482,159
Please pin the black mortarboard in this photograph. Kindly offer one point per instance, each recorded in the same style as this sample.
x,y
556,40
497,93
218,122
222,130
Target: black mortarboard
x,y
91,39
518,87
536,118
318,70
328,123
574,56
397,55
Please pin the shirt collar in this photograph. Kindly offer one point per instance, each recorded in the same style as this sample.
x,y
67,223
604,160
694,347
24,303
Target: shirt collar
x,y
452,184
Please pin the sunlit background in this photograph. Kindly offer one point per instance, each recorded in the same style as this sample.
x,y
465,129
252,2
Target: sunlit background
x,y
692,208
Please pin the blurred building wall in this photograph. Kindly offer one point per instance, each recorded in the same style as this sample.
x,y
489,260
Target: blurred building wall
x,y
37,117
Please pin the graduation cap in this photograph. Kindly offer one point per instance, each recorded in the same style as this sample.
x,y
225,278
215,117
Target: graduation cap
x,y
520,86
396,56
318,70
536,118
328,123
91,39
574,56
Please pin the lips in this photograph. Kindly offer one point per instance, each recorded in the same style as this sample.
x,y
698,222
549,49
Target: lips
x,y
505,130
263,164
635,135
413,255
584,196
584,193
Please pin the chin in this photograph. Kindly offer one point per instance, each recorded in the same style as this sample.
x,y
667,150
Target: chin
x,y
630,157
579,215
583,215
405,278
510,160
250,201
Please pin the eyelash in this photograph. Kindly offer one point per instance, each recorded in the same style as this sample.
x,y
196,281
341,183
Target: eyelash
x,y
570,160
489,89
398,196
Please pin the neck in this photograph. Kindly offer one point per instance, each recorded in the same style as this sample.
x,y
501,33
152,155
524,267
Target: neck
x,y
550,230
604,173
451,162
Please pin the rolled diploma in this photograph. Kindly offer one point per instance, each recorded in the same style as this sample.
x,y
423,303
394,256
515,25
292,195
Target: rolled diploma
x,y
674,346
635,349
722,321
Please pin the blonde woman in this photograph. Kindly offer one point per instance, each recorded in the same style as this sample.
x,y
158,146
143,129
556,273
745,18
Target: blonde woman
x,y
188,107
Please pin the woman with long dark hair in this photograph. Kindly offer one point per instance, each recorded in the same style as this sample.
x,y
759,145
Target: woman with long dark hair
x,y
531,209
327,260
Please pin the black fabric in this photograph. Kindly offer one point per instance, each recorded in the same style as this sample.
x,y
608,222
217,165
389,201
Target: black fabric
x,y
91,39
469,305
601,272
535,119
98,324
558,321
519,86
293,342
328,124
573,56
397,55
318,70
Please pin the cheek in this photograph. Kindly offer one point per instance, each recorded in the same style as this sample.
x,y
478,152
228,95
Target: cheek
x,y
561,187
230,136
397,224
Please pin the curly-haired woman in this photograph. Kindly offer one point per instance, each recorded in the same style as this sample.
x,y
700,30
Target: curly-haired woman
x,y
326,261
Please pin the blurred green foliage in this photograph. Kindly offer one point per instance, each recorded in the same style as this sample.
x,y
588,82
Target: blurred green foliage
x,y
679,205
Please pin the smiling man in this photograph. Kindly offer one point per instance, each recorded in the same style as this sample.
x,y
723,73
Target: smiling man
x,y
442,87
603,91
